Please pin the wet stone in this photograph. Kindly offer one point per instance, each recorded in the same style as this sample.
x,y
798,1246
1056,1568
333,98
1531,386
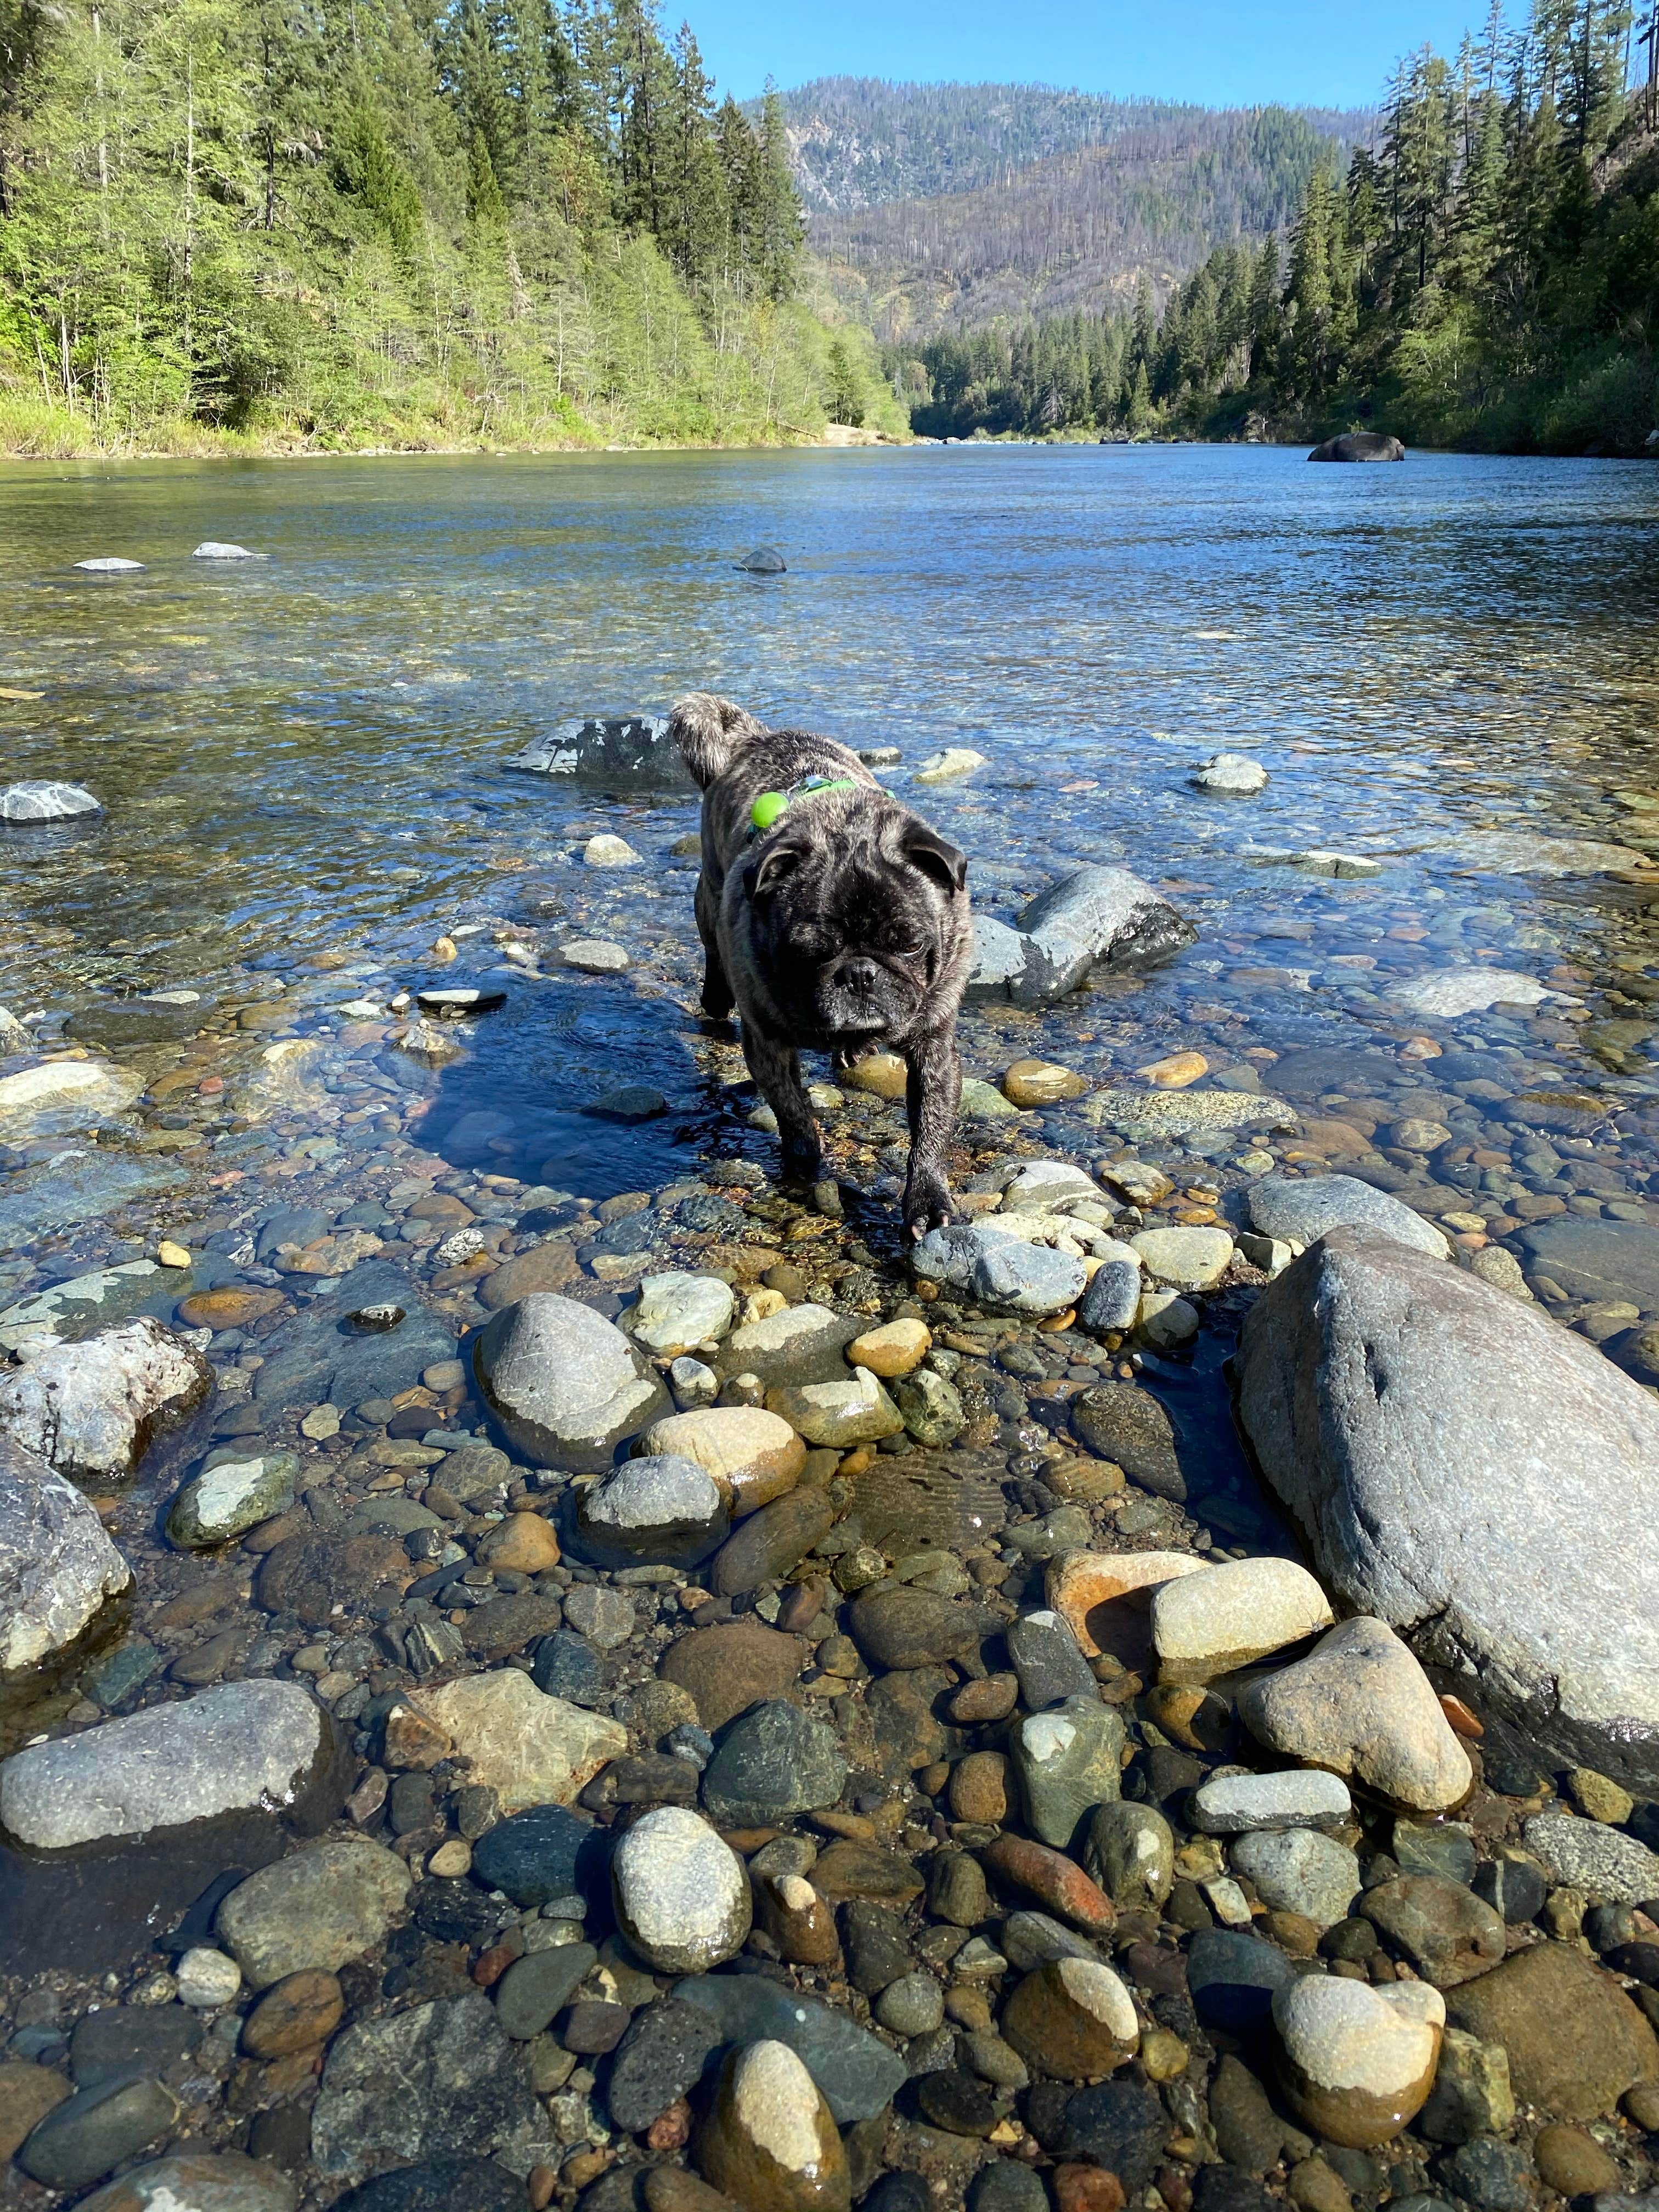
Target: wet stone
x,y
1048,1660
537,1855
1126,1424
725,1670
1118,2125
776,1762
681,1896
323,1906
439,2185
859,2074
567,1666
661,2056
121,2039
663,1507
198,2182
917,1628
1067,1759
1299,1870
1232,1979
1130,1851
1446,1931
877,1949
465,2091
538,1986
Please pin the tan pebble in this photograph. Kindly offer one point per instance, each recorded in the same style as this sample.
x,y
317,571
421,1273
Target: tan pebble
x,y
883,1074
1314,2186
1175,1070
892,1350
451,1860
170,1255
444,949
296,2013
1040,1082
1073,2018
413,1742
1164,2056
978,1788
771,2140
540,2183
524,1543
1574,2164
1600,1798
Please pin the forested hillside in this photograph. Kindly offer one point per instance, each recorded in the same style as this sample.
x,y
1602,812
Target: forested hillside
x,y
335,223
1078,230
1487,274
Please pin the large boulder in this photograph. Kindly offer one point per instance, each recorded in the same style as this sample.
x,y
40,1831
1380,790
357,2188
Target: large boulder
x,y
93,1409
1359,446
565,1385
238,1748
1096,916
56,1565
1475,1476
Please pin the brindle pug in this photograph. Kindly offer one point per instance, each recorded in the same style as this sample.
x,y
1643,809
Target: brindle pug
x,y
835,921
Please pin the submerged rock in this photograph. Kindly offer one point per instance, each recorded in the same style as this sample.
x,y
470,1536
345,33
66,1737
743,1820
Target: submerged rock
x,y
770,2142
627,755
314,1911
1459,1462
530,1748
235,1491
682,1898
1359,2062
1302,1209
462,2089
1235,773
663,1507
57,1565
232,1748
61,1095
43,800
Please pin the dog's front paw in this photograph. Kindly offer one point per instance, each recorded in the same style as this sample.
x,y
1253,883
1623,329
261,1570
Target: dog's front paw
x,y
802,1164
927,1206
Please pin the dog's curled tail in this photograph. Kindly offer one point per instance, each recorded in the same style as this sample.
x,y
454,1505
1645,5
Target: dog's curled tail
x,y
710,733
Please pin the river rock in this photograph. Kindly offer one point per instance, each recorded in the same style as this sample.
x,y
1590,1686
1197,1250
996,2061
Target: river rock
x,y
1448,995
1446,1931
1111,1303
565,1385
776,1762
1598,1261
986,1263
1576,2043
1186,1259
57,1565
1067,1761
909,1627
535,1854
1125,1424
328,1903
1359,446
540,1984
462,2089
1130,1851
199,2181
855,1412
1048,1659
859,2074
1234,774
531,1749
662,2055
28,2093
1233,1978
41,800
1073,2018
770,2141
1299,1870
754,1456
1235,1804
931,1412
1302,1209
1230,1616
727,1668
1360,1705
1357,2062
1470,2094
1455,1458
232,1748
94,2129
683,1899
1609,1867
676,1313
235,1491
1095,916
63,1095
1054,1880
93,1409
1106,1597
663,1507
1117,2125
800,1344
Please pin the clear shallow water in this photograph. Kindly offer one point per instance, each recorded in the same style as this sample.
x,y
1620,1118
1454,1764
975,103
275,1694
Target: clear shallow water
x,y
302,756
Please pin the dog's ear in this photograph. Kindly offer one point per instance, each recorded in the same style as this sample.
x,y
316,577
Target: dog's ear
x,y
936,856
762,878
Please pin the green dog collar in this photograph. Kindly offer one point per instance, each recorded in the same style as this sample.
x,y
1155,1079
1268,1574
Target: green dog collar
x,y
771,805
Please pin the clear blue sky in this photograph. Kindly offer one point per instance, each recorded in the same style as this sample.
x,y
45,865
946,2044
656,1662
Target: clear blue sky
x,y
1216,52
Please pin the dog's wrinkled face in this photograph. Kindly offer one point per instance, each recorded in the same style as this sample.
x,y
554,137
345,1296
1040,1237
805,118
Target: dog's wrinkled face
x,y
855,920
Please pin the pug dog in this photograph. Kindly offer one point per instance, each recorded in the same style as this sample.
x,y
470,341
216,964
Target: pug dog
x,y
835,920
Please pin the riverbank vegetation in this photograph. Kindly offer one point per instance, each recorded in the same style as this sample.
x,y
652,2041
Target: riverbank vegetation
x,y
332,224
1487,274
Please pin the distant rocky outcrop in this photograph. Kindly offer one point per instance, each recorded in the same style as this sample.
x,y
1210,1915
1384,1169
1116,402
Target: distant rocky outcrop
x,y
1359,446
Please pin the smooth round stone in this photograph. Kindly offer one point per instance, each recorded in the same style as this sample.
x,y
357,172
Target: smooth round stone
x,y
754,1456
318,1908
1360,1705
445,2184
221,549
1226,1617
229,1308
1446,1931
1073,2018
1359,2061
1130,1851
1573,2163
207,1978
1233,774
663,1507
1233,1804
882,1074
299,2012
81,2139
1166,1321
932,1412
605,851
892,1350
770,2143
524,1543
683,1896
913,2005
678,1312
199,2181
1299,1870
1105,1596
1300,1209
234,1492
1041,1082
842,1415
1184,1259
763,561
